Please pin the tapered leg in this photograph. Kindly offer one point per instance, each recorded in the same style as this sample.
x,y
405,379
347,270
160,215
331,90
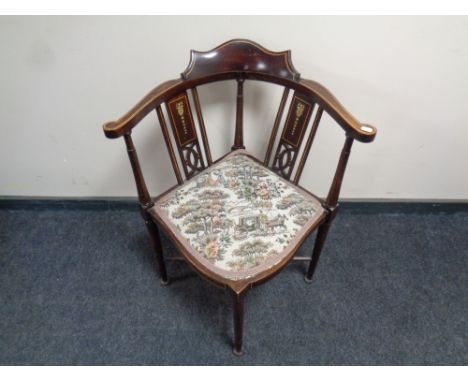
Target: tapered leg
x,y
238,324
157,248
319,242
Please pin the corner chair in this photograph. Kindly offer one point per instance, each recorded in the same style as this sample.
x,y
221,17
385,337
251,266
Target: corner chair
x,y
239,220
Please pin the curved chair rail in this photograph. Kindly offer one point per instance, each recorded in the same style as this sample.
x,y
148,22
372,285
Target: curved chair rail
x,y
241,60
169,89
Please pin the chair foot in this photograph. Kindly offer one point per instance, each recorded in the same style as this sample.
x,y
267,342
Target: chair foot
x,y
238,310
157,248
237,353
307,280
319,242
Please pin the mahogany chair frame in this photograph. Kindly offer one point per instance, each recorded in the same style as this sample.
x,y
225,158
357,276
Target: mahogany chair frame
x,y
239,60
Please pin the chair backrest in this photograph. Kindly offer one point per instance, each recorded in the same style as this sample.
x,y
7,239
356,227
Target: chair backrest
x,y
241,60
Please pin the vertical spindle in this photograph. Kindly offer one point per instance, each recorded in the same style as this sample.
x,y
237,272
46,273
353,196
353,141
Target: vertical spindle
x,y
167,139
201,123
308,145
276,126
334,193
239,135
143,194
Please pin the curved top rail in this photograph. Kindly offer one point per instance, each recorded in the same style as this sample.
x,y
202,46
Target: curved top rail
x,y
250,60
240,55
362,132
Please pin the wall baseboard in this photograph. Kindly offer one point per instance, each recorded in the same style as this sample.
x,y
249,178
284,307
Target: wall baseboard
x,y
45,203
366,206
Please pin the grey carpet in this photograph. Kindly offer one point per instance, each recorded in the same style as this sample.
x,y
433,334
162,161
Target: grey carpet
x,y
78,287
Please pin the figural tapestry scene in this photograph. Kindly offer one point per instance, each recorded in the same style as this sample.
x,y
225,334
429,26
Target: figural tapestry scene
x,y
238,215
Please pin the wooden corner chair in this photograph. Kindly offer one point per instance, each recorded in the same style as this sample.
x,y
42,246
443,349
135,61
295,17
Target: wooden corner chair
x,y
238,220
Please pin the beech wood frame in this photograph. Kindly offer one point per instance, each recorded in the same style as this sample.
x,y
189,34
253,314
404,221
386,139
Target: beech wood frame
x,y
239,60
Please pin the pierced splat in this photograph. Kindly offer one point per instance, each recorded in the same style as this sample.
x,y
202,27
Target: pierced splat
x,y
292,136
185,135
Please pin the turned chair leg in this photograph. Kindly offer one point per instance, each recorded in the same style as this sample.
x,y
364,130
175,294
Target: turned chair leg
x,y
319,242
238,310
157,248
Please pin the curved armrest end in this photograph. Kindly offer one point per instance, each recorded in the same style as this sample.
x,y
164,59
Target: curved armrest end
x,y
367,133
112,129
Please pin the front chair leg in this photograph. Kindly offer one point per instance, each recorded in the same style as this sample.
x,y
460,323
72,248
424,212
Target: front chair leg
x,y
238,310
319,242
153,232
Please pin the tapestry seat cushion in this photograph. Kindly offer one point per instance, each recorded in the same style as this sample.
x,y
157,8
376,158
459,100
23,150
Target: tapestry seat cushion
x,y
237,217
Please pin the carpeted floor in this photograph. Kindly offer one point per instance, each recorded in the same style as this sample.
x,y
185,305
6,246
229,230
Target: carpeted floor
x,y
78,287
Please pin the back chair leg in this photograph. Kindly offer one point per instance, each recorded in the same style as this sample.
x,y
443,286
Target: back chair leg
x,y
155,239
319,242
238,310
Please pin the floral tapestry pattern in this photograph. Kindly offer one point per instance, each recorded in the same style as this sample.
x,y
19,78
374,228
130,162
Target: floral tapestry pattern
x,y
238,214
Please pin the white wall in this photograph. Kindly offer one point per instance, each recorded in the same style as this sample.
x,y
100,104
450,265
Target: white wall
x,y
62,77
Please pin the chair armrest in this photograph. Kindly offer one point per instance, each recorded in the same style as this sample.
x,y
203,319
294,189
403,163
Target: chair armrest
x,y
361,132
126,123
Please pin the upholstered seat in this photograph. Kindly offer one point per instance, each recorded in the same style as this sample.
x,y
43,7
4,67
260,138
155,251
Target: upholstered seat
x,y
238,218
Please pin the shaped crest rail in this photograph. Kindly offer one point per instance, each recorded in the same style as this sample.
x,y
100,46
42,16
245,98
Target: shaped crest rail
x,y
240,56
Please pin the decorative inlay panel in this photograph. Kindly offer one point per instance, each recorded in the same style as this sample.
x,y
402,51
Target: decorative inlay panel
x,y
293,133
182,120
185,134
296,122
